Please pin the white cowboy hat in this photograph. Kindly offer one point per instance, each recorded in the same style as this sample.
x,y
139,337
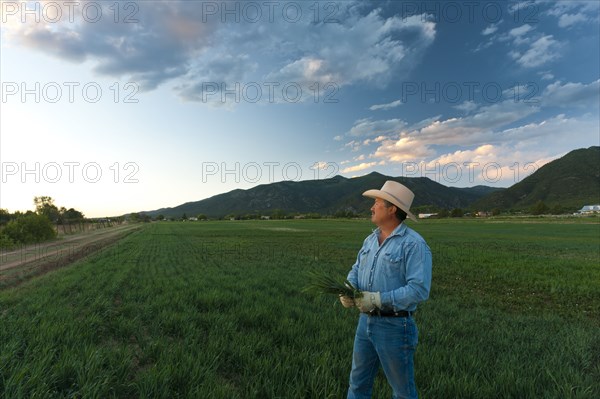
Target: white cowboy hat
x,y
395,193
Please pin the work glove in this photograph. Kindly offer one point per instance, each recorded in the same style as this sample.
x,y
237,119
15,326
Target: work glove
x,y
368,301
346,301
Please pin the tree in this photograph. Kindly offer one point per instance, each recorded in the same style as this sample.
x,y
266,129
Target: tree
x,y
5,241
5,216
278,214
71,215
539,208
30,228
557,210
345,213
457,213
443,213
201,216
45,206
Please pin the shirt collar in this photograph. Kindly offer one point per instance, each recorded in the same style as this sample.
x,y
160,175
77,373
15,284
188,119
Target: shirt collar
x,y
399,230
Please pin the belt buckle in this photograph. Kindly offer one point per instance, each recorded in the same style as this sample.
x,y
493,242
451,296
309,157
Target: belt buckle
x,y
375,312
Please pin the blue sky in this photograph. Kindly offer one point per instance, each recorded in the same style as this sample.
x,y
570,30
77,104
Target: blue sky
x,y
141,105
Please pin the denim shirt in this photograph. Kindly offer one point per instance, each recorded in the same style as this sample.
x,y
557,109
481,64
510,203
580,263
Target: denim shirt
x,y
399,268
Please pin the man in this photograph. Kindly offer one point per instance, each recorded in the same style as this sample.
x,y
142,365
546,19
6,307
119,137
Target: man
x,y
393,271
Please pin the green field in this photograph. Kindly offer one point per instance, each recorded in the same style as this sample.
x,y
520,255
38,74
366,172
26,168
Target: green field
x,y
215,310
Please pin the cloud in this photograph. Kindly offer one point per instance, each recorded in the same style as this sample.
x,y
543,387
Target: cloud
x,y
543,50
359,167
323,165
567,20
559,130
353,145
520,31
467,106
361,48
477,129
387,106
423,123
484,45
572,94
367,127
377,139
500,157
497,165
306,71
489,32
174,30
530,49
520,6
178,41
356,145
491,29
572,12
403,149
482,153
517,34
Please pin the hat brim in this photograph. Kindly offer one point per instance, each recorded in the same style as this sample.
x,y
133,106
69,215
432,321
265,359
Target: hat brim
x,y
391,199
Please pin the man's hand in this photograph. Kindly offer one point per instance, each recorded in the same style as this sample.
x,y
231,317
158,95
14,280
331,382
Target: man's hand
x,y
368,301
346,301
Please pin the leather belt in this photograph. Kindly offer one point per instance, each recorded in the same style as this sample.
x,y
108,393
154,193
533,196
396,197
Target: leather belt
x,y
387,313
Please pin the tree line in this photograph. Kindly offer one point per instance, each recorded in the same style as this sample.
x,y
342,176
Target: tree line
x,y
22,228
538,208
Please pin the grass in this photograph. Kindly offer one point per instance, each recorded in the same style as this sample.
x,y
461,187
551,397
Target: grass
x,y
215,310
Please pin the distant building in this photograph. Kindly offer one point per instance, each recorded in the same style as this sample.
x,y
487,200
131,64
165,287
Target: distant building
x,y
426,215
483,214
589,209
264,217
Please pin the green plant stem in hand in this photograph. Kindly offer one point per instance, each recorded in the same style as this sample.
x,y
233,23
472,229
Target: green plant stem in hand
x,y
321,283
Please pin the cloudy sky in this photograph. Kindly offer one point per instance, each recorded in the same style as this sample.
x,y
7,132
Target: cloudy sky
x,y
119,107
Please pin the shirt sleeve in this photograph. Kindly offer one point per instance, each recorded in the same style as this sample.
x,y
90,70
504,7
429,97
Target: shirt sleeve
x,y
418,280
353,274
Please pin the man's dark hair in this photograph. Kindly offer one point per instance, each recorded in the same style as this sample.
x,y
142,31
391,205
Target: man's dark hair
x,y
400,214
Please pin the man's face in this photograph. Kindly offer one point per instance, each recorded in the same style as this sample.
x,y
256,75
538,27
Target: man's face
x,y
380,214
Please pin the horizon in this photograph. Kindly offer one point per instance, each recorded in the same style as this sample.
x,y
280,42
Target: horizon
x,y
257,185
353,177
147,105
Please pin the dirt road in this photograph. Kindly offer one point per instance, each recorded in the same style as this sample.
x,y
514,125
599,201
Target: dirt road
x,y
28,261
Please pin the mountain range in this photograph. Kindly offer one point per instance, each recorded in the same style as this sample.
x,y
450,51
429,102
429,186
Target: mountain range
x,y
571,182
326,196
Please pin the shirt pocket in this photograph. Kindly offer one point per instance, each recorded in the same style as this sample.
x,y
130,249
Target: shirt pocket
x,y
363,257
393,266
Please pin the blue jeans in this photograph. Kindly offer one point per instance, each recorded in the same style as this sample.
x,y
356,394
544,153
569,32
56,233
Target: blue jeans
x,y
389,342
